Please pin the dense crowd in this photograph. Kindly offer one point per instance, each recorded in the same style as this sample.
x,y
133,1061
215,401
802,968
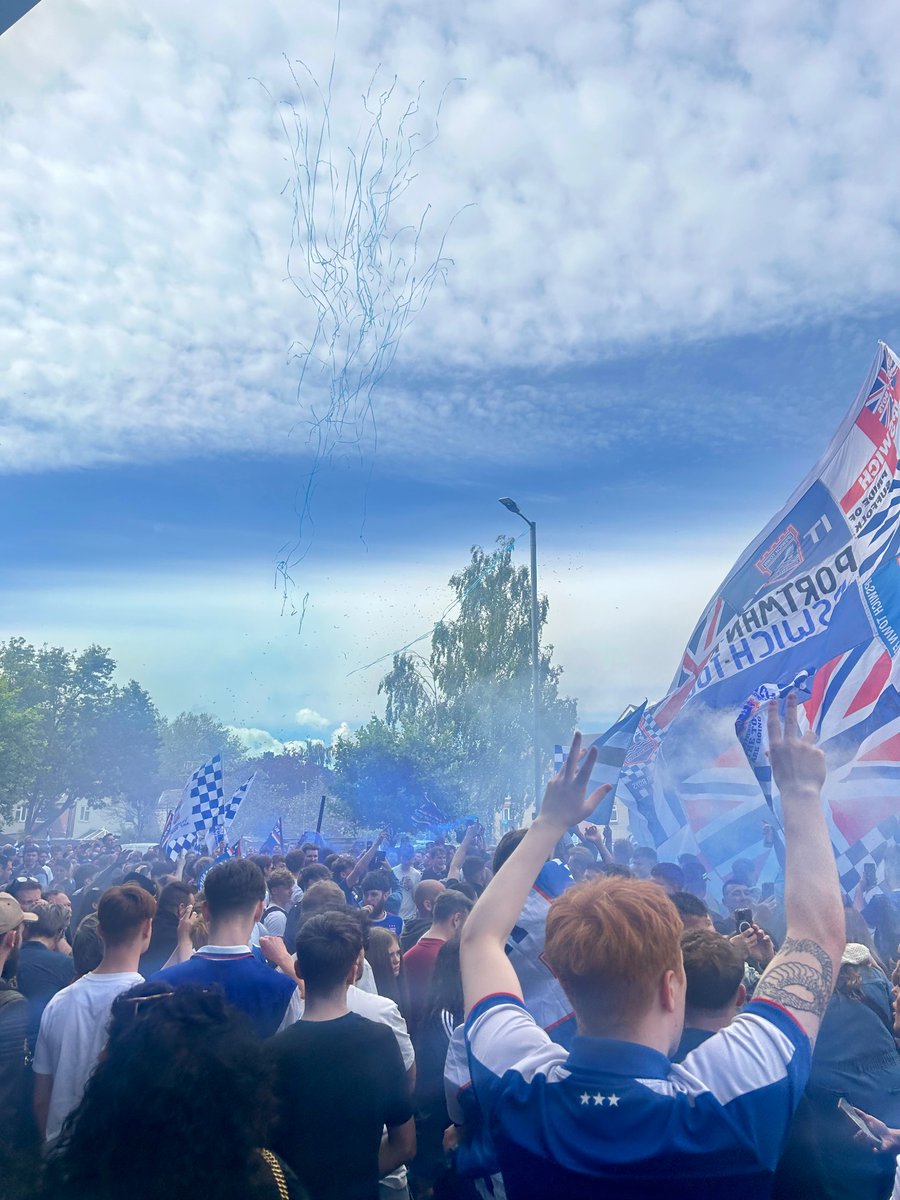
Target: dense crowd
x,y
352,1027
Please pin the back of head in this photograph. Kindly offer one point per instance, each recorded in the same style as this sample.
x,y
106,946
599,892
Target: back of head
x,y
505,847
314,873
83,875
174,895
328,945
425,895
52,921
448,904
122,913
295,861
693,911
322,897
263,861
714,969
180,1100
445,992
87,949
668,875
233,888
464,889
473,869
609,942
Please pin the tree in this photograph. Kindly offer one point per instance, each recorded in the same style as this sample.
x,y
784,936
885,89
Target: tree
x,y
383,773
21,748
460,723
133,726
69,696
287,785
190,740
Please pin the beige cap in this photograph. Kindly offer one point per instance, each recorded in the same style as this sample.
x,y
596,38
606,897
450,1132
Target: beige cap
x,y
856,954
12,914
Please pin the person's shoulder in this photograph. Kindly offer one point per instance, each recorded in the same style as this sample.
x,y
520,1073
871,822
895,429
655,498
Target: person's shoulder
x,y
10,998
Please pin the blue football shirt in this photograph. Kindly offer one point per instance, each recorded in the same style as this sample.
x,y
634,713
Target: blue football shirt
x,y
612,1118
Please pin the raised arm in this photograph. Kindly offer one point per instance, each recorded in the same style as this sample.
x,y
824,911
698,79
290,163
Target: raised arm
x,y
463,850
801,976
485,966
362,863
593,835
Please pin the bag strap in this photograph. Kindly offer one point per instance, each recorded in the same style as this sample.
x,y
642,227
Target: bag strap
x,y
275,1167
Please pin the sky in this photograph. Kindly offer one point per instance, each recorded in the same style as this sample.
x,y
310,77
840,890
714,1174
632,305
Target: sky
x,y
667,237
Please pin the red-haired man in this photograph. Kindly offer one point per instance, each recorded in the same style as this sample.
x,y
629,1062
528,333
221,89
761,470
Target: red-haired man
x,y
614,1116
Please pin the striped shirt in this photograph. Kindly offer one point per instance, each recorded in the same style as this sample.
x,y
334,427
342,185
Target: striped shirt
x,y
611,1118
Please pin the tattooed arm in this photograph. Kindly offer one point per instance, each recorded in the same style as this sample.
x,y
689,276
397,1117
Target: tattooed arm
x,y
801,976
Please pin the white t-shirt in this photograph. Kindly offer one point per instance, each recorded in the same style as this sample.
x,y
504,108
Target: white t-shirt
x,y
72,1035
409,880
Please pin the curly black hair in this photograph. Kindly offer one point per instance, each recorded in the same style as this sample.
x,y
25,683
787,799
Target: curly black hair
x,y
177,1106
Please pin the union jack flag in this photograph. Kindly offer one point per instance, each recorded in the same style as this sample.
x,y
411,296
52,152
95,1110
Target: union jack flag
x,y
883,392
830,611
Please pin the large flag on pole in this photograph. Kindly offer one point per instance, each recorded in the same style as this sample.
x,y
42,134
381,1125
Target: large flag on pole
x,y
198,810
817,592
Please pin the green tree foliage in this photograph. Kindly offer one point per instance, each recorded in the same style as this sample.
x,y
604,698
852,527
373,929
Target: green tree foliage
x,y
287,785
192,739
20,743
70,733
458,725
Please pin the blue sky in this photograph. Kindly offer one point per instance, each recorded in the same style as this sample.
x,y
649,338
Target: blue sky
x,y
679,255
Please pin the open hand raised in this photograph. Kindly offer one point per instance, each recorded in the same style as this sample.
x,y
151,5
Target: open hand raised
x,y
565,801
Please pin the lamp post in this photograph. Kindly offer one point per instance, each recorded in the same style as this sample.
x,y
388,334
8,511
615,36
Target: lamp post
x,y
535,649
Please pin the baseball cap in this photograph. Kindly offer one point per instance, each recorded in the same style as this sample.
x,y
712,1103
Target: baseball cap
x,y
11,914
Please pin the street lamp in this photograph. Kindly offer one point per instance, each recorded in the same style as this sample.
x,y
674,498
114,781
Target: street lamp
x,y
535,649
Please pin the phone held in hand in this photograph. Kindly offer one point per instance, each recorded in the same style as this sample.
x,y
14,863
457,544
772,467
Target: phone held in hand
x,y
849,1111
869,880
767,891
743,919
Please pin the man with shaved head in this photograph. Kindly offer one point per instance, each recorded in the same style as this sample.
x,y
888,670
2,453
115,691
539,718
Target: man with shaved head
x,y
425,895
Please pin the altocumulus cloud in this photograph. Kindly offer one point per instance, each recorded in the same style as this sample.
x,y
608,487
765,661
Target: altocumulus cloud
x,y
639,172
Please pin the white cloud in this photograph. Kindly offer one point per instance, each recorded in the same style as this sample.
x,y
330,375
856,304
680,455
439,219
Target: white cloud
x,y
666,171
342,731
256,741
309,718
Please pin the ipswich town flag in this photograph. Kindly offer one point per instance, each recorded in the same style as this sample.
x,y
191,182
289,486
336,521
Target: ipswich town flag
x,y
815,596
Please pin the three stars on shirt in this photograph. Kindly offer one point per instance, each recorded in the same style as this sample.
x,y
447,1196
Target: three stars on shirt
x,y
599,1099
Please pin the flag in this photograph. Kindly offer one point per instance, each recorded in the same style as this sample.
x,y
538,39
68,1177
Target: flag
x,y
198,809
227,853
817,591
216,838
428,813
275,841
231,808
612,747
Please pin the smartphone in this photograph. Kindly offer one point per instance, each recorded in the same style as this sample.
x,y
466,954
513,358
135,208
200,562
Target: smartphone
x,y
767,891
869,882
860,1124
743,919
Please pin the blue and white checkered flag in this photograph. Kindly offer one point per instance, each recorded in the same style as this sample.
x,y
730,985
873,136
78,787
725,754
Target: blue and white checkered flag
x,y
231,808
198,810
206,794
216,837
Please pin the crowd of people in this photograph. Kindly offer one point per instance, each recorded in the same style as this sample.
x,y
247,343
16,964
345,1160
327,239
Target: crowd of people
x,y
353,1027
